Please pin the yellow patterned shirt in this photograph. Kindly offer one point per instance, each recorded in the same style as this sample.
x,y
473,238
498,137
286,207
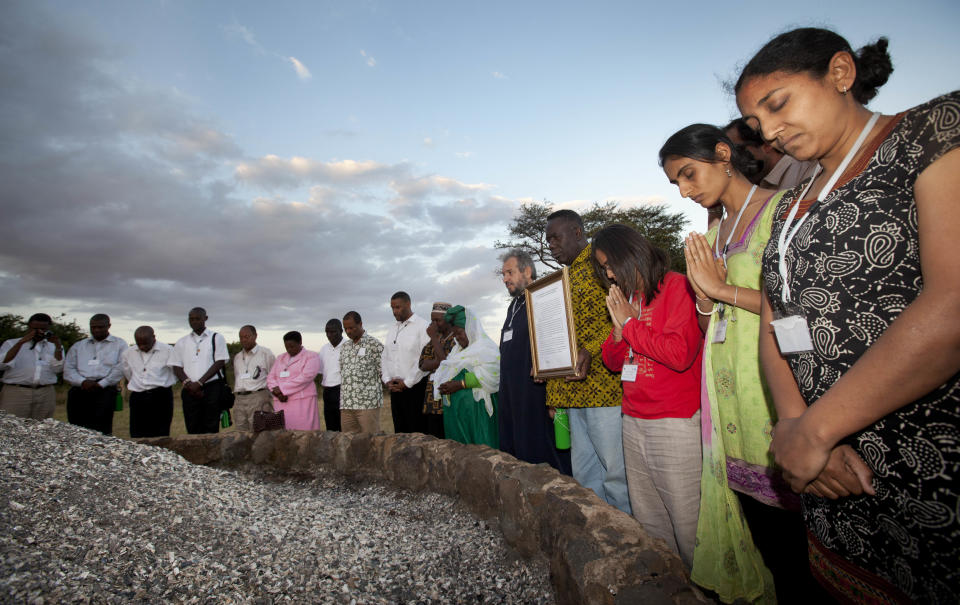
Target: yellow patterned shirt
x,y
601,387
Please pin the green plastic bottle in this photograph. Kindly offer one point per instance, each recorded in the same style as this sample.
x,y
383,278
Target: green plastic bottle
x,y
561,429
118,406
225,419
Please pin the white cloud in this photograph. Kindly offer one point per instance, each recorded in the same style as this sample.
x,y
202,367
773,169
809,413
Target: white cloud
x,y
464,154
156,198
235,29
418,188
239,31
302,72
498,75
427,142
273,171
370,60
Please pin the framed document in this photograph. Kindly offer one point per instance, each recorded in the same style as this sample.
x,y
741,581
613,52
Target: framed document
x,y
553,337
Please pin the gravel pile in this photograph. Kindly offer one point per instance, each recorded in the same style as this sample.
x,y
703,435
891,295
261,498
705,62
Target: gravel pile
x,y
87,518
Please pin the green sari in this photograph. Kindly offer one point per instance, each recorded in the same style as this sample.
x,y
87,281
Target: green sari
x,y
470,414
738,415
466,420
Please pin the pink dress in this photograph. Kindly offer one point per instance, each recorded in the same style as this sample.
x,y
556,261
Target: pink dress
x,y
294,376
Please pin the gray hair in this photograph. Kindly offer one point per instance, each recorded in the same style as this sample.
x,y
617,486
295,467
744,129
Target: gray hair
x,y
524,260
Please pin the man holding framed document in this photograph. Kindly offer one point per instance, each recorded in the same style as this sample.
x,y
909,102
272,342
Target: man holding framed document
x,y
591,393
526,429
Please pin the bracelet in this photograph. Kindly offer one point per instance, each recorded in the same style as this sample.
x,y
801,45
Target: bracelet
x,y
463,384
704,298
736,291
706,314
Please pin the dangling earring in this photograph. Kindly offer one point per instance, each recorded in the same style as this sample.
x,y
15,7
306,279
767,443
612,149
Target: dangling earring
x,y
729,174
843,90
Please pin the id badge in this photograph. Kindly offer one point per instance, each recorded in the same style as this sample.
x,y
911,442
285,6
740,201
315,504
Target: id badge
x,y
285,374
720,332
93,362
629,373
793,333
361,351
507,335
245,375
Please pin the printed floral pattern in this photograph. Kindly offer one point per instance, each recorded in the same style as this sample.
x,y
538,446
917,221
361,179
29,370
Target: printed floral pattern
x,y
360,385
854,266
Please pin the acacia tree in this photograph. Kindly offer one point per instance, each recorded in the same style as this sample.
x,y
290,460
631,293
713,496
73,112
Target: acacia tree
x,y
654,221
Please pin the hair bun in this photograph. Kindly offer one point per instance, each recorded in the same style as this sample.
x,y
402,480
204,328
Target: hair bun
x,y
873,70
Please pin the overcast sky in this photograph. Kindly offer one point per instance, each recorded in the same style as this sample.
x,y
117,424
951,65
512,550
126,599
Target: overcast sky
x,y
283,163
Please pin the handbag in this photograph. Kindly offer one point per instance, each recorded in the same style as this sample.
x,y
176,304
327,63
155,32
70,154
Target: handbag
x,y
268,421
226,393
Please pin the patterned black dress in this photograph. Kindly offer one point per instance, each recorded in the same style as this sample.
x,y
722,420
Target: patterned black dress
x,y
854,266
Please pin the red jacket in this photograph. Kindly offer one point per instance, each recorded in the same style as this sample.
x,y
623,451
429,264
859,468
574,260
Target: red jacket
x,y
667,346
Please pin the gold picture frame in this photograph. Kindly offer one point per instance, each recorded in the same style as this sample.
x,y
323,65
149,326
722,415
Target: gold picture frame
x,y
553,336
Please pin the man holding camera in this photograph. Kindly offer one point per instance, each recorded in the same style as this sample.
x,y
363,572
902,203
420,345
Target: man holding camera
x,y
30,366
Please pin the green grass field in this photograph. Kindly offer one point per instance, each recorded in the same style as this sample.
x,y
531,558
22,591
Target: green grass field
x,y
121,420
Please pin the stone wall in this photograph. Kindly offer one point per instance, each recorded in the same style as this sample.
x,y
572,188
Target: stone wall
x,y
597,554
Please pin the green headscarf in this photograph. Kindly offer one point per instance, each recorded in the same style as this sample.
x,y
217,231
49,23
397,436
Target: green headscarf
x,y
456,316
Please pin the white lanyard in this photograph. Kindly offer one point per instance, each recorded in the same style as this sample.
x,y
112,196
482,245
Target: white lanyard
x,y
197,341
246,360
785,238
716,242
516,308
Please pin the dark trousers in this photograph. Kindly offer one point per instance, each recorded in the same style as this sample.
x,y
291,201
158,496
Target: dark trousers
x,y
433,425
331,407
406,407
202,414
781,538
526,432
151,412
92,409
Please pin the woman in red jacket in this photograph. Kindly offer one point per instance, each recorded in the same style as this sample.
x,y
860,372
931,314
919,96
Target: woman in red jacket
x,y
656,345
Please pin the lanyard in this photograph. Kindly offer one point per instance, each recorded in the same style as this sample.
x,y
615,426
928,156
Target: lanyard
x,y
294,359
516,308
246,360
629,356
785,238
716,242
400,329
146,361
198,341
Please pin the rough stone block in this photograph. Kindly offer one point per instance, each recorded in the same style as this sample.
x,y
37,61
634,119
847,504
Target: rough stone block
x,y
262,447
235,448
597,554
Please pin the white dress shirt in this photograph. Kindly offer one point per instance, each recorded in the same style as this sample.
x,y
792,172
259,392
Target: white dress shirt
x,y
91,359
38,365
250,369
330,364
195,354
789,172
145,371
401,351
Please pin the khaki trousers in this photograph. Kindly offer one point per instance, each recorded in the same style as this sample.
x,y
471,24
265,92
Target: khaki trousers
x,y
360,421
245,405
29,403
663,463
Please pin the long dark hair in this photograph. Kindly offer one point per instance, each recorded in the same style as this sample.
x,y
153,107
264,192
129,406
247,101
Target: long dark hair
x,y
809,49
699,142
629,253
